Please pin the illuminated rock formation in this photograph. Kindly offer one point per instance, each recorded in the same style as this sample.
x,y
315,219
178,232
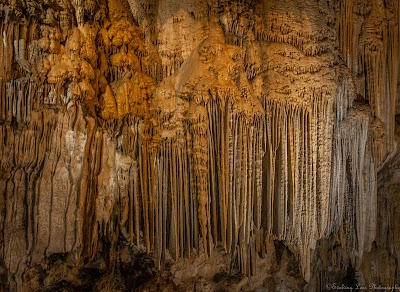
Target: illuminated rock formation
x,y
198,138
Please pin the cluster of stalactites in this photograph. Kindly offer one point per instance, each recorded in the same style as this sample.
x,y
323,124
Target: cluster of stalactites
x,y
353,207
16,85
179,193
197,160
320,176
297,167
369,38
208,174
51,64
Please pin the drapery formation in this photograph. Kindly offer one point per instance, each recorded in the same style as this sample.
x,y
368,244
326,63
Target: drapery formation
x,y
223,123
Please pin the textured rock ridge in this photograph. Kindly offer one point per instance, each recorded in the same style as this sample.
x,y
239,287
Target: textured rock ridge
x,y
140,139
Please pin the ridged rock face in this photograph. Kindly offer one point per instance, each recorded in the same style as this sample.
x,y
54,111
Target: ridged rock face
x,y
198,144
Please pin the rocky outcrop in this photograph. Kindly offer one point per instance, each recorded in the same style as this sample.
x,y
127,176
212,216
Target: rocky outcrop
x,y
210,142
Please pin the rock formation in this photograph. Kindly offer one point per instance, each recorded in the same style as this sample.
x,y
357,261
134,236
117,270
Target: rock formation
x,y
199,144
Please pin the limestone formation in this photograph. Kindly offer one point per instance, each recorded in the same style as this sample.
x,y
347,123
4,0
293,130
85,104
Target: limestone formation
x,y
222,144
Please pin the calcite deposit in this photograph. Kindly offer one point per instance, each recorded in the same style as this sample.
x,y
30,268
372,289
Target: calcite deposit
x,y
199,145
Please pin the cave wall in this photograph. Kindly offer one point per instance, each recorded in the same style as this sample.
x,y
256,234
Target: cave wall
x,y
185,129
